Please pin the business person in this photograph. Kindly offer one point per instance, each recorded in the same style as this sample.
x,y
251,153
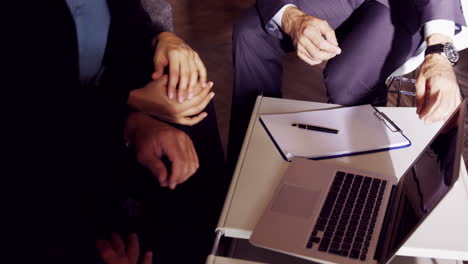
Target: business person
x,y
68,69
364,41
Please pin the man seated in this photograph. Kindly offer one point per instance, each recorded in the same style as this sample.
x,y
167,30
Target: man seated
x,y
364,41
71,72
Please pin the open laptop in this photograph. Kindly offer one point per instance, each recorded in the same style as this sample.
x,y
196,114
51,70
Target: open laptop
x,y
344,215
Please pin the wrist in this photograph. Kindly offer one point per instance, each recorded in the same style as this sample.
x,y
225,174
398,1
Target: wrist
x,y
133,100
162,36
131,125
436,38
290,15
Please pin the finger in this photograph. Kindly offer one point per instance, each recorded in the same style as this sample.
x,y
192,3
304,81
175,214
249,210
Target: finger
x,y
178,166
191,121
194,160
314,52
329,34
445,106
160,62
202,73
106,252
420,93
198,108
433,101
196,100
198,88
306,59
148,259
174,71
133,248
439,112
118,244
193,80
183,82
159,170
325,45
184,145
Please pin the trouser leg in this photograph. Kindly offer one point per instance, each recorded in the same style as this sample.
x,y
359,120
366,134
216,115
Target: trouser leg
x,y
373,46
257,71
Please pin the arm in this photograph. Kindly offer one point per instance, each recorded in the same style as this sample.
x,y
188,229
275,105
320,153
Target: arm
x,y
314,39
437,90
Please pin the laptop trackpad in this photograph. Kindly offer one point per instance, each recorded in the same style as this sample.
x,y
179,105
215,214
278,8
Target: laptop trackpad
x,y
296,201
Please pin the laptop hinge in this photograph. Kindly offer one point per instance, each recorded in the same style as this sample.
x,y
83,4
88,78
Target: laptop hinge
x,y
385,228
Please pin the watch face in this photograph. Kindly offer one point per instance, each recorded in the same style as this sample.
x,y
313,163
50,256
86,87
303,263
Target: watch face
x,y
451,53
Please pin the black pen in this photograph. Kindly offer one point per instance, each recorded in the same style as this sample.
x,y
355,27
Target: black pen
x,y
316,128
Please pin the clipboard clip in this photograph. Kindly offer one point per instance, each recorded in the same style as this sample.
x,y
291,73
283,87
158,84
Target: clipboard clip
x,y
387,121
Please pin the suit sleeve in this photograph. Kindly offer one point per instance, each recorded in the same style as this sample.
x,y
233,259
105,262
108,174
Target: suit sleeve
x,y
268,9
440,9
429,10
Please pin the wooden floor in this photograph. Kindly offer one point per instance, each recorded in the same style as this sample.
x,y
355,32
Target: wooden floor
x,y
207,26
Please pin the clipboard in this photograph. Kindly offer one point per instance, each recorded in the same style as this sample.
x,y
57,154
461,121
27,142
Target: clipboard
x,y
362,129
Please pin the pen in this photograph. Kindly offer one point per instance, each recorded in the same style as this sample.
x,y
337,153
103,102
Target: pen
x,y
316,128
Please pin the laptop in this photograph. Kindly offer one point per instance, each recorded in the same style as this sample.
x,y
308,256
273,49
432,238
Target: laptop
x,y
337,214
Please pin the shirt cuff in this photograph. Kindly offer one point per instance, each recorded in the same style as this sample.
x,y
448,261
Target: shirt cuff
x,y
279,16
439,26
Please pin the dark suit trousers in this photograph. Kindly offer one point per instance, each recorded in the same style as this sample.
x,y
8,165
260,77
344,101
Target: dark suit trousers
x,y
372,48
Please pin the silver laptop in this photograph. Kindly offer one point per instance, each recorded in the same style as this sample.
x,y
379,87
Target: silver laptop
x,y
344,215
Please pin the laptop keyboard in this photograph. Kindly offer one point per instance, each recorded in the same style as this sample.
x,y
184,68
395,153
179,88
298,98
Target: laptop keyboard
x,y
347,219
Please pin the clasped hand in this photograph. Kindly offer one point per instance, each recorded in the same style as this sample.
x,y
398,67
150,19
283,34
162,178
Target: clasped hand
x,y
153,140
313,37
186,69
152,100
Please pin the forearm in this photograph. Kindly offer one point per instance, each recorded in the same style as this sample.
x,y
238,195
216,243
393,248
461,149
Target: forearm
x,y
289,16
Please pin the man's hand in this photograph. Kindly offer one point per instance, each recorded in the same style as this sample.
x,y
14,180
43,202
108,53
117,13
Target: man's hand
x,y
185,66
153,140
314,39
437,90
152,99
114,251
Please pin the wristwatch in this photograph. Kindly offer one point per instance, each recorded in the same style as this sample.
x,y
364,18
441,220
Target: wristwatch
x,y
447,50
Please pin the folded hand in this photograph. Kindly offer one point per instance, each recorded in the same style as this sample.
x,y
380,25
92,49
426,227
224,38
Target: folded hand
x,y
313,37
153,100
153,140
185,67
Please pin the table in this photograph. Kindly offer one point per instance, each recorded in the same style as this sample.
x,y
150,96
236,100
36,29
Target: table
x,y
260,168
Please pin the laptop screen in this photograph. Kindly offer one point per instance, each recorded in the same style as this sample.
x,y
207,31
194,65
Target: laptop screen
x,y
426,182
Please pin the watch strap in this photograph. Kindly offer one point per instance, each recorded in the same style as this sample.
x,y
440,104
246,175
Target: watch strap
x,y
438,48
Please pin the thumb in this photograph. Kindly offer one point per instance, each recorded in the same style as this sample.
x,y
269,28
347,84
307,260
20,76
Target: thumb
x,y
420,92
160,62
159,170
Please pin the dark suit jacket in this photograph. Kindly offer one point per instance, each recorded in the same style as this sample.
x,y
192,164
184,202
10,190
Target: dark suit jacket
x,y
62,142
414,12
